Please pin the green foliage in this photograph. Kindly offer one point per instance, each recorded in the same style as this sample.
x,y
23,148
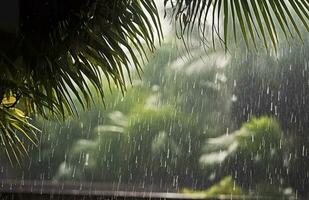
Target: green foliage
x,y
260,137
165,141
146,136
195,84
251,154
226,187
152,139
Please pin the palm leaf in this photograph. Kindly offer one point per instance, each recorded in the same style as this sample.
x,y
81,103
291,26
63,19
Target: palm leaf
x,y
54,62
14,130
257,19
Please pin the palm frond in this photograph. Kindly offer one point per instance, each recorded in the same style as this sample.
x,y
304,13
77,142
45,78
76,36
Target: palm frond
x,y
256,19
57,57
15,129
83,50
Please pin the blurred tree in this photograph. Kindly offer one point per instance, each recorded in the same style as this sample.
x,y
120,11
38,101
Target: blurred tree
x,y
277,85
252,156
150,136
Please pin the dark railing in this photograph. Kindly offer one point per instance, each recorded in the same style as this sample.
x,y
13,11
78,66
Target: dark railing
x,y
39,190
